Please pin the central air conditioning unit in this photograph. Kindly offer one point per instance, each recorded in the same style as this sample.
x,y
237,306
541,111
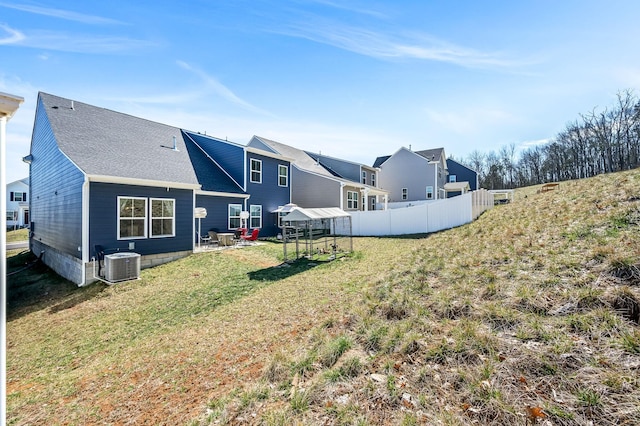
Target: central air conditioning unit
x,y
121,267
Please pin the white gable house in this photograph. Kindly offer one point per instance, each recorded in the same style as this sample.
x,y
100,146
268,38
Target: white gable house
x,y
18,204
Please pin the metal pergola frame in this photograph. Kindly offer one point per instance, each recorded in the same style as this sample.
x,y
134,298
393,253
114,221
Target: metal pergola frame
x,y
316,231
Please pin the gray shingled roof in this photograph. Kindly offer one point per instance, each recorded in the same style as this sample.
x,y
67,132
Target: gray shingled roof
x,y
431,154
300,158
102,142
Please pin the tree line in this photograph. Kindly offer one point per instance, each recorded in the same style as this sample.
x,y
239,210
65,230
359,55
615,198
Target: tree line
x,y
597,142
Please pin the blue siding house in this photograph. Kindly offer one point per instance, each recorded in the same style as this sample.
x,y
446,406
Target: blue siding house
x,y
263,175
100,178
318,184
460,173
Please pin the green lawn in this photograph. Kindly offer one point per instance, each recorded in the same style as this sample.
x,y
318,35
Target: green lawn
x,y
17,235
528,315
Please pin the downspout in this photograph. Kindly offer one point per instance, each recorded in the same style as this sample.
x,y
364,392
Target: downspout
x,y
435,181
244,175
342,185
193,224
85,228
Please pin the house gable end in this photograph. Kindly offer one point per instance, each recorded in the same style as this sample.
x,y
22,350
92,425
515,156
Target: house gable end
x,y
55,191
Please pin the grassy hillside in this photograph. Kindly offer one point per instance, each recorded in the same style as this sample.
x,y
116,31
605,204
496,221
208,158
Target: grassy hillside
x,y
528,315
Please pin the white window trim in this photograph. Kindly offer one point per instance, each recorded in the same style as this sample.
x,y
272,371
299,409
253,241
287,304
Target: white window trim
x,y
285,175
352,203
453,178
146,218
373,203
373,179
427,192
364,177
254,217
404,193
151,217
252,171
229,217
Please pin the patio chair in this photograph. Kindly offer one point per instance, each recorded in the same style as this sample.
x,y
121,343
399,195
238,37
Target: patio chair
x,y
239,234
251,237
213,238
203,239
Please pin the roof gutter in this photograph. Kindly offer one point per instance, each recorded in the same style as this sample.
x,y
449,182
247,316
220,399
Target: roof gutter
x,y
222,194
143,182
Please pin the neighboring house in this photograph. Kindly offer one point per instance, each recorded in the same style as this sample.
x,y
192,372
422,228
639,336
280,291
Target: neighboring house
x,y
263,175
18,204
351,171
413,175
313,185
460,173
103,178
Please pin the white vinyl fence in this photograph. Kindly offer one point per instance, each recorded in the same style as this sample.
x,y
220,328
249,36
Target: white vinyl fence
x,y
413,218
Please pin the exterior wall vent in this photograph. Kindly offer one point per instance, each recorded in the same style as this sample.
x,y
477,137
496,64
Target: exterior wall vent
x,y
121,267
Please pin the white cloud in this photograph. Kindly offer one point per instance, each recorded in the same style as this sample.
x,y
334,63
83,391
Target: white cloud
x,y
12,36
394,45
349,8
82,43
61,14
214,86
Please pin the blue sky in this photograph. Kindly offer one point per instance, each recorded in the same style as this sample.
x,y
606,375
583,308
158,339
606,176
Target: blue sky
x,y
353,79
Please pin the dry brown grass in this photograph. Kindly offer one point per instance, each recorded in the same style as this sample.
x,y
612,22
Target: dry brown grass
x,y
524,316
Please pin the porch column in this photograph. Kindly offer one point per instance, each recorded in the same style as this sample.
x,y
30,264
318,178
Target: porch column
x,y
386,201
366,200
342,196
9,104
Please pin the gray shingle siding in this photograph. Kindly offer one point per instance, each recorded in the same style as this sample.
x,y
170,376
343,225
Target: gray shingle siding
x,y
56,191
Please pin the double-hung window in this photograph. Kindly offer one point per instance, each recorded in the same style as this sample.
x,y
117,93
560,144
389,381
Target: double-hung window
x,y
163,213
429,192
255,216
256,171
364,177
453,178
405,193
132,218
352,200
234,216
373,179
18,196
283,175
